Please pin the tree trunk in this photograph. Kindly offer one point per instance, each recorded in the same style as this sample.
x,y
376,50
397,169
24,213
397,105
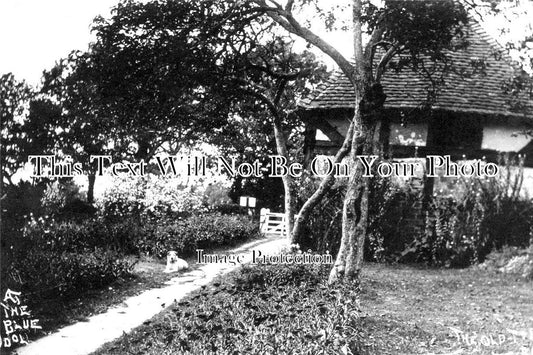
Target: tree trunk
x,y
281,146
309,145
90,187
384,136
355,208
349,261
323,188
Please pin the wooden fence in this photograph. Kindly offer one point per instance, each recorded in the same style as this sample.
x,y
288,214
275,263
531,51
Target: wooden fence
x,y
273,223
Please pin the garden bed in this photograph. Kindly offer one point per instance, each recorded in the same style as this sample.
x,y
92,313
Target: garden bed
x,y
403,310
263,309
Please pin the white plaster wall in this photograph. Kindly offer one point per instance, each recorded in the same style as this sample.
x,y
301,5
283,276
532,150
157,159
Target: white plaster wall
x,y
501,138
527,185
320,136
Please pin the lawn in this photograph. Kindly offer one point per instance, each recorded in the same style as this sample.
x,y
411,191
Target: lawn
x,y
412,310
289,310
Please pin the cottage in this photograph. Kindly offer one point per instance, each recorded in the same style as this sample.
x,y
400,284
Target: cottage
x,y
470,114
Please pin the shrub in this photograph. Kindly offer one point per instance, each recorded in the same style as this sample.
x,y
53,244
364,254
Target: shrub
x,y
197,232
44,273
486,215
77,210
150,197
391,210
79,236
458,230
184,235
323,229
56,256
265,275
59,258
19,201
229,208
122,200
216,194
512,260
58,195
64,236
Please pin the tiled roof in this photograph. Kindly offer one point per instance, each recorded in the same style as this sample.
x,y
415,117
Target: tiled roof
x,y
479,93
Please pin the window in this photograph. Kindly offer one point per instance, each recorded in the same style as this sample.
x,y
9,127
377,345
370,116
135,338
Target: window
x,y
411,134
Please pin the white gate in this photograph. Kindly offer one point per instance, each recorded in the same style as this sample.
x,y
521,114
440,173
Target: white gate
x,y
273,223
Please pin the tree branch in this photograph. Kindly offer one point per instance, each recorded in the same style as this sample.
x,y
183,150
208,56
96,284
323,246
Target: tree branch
x,y
279,91
289,5
263,98
370,50
396,48
277,75
286,20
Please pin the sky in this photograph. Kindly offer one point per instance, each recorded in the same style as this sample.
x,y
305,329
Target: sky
x,y
34,34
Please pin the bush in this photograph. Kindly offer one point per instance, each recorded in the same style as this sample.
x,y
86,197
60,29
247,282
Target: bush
x,y
58,254
196,232
216,194
60,259
19,202
82,236
391,211
461,230
150,198
229,208
265,275
133,237
47,274
77,210
322,231
511,260
58,196
458,230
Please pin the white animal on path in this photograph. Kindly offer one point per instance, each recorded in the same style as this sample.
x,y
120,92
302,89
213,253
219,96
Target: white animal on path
x,y
174,263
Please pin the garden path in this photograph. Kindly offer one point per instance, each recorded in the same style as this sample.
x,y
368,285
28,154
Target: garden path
x,y
87,336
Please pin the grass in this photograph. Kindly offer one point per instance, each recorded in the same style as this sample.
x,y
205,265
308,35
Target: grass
x,y
400,310
411,310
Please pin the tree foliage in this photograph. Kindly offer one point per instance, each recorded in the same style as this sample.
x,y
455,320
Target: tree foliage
x,y
28,125
14,99
160,68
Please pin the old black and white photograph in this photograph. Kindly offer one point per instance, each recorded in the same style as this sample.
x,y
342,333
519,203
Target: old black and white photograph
x,y
266,177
